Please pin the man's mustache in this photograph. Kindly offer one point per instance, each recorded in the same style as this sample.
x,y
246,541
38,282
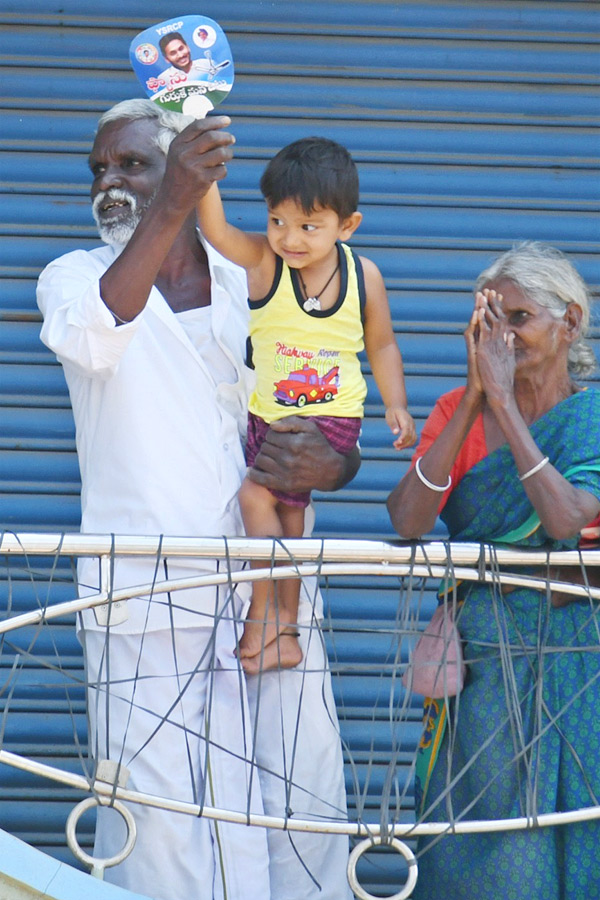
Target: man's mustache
x,y
113,195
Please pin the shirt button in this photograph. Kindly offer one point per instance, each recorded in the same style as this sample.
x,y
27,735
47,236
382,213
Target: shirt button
x,y
225,446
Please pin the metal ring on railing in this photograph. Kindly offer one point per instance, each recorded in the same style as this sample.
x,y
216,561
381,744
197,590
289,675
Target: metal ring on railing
x,y
402,849
98,865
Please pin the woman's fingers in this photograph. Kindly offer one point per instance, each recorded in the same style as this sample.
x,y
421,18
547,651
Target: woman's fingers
x,y
492,318
480,299
493,302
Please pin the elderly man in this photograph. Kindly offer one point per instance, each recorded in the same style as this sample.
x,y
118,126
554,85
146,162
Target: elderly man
x,y
151,331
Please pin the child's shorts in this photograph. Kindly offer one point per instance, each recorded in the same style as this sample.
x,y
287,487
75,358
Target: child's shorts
x,y
342,433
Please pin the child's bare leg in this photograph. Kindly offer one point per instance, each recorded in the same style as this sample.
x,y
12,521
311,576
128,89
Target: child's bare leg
x,y
292,520
283,651
273,607
261,519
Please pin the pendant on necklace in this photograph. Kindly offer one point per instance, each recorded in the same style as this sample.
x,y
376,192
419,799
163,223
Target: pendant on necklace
x,y
311,303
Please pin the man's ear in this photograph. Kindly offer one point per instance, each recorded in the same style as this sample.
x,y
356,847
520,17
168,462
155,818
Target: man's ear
x,y
572,320
348,226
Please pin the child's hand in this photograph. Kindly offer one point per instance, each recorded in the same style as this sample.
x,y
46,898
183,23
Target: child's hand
x,y
401,422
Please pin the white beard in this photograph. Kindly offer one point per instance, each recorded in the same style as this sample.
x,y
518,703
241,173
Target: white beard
x,y
120,229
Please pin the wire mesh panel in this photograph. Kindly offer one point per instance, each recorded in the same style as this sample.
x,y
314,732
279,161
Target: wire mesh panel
x,y
380,716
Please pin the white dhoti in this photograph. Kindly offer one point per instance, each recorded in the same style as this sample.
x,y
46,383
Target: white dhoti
x,y
177,717
298,749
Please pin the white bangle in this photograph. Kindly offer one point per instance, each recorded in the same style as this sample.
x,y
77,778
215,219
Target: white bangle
x,y
535,468
432,487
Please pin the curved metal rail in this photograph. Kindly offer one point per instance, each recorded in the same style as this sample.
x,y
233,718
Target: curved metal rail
x,y
285,559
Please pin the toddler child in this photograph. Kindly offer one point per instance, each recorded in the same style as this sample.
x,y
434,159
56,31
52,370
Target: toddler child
x,y
314,305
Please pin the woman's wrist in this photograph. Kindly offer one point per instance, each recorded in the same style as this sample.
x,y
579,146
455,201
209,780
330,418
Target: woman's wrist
x,y
505,409
474,397
471,405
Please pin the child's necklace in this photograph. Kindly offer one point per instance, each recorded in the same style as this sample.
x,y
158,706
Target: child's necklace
x,y
311,303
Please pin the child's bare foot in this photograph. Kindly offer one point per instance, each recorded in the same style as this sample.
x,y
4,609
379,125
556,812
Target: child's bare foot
x,y
282,653
258,633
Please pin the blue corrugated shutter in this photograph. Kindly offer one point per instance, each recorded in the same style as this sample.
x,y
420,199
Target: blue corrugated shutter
x,y
474,126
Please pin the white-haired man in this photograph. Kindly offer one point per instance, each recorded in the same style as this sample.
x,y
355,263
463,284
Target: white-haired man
x,y
151,332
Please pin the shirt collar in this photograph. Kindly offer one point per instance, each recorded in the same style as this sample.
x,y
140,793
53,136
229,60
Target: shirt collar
x,y
214,257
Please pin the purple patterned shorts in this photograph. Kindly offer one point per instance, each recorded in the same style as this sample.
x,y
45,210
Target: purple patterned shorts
x,y
342,433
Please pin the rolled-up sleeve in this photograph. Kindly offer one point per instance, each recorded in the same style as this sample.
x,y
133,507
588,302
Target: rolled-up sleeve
x,y
78,326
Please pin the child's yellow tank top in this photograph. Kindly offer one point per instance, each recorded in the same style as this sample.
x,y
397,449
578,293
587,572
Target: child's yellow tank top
x,y
306,361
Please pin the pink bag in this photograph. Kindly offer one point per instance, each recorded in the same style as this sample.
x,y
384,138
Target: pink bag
x,y
437,668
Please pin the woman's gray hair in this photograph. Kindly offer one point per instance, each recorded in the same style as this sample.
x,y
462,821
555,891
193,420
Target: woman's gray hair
x,y
546,276
170,123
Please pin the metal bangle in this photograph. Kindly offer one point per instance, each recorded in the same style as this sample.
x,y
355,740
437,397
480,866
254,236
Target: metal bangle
x,y
432,487
535,468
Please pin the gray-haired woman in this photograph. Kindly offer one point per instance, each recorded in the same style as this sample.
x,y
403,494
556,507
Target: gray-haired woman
x,y
514,457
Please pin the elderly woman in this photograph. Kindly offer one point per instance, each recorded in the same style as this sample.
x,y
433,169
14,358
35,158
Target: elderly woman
x,y
514,457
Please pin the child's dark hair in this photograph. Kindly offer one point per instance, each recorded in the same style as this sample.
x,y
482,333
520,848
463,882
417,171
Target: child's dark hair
x,y
316,172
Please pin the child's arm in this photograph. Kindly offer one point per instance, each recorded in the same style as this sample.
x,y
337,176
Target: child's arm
x,y
245,249
385,357
250,251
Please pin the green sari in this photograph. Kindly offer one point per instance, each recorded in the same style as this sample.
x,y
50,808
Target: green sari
x,y
522,737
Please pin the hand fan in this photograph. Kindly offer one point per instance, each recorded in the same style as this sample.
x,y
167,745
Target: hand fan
x,y
184,64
